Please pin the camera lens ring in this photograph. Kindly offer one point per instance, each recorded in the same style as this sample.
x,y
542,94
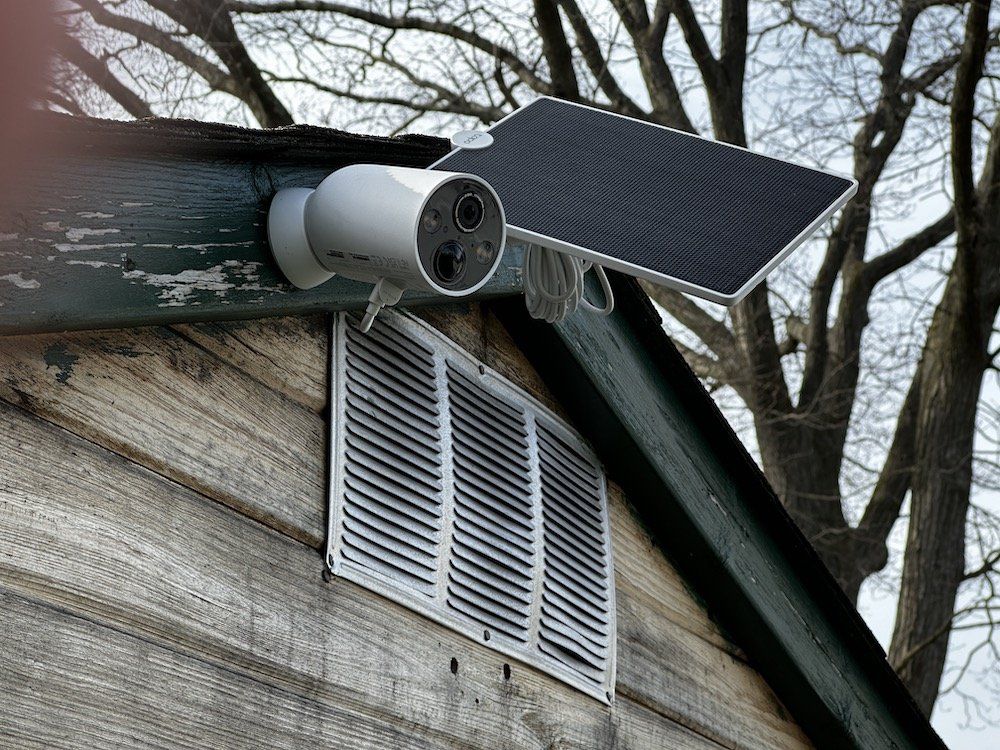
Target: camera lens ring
x,y
469,212
449,263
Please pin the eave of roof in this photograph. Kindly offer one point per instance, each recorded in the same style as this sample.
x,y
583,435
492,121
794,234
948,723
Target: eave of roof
x,y
124,224
713,513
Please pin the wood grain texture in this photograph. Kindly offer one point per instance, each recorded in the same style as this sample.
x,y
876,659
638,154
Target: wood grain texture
x,y
651,594
127,224
289,355
154,396
110,542
70,683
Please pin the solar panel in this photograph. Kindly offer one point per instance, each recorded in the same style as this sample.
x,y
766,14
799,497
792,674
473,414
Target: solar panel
x,y
690,213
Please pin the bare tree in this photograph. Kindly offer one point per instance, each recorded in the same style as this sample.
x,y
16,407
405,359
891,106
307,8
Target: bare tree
x,y
909,78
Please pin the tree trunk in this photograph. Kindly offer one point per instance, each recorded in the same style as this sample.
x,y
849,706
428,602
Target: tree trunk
x,y
954,360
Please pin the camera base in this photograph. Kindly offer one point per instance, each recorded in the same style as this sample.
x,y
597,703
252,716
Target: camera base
x,y
286,231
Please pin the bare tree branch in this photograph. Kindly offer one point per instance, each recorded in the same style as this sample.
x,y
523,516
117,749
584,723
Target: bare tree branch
x,y
590,49
217,78
712,332
556,49
970,70
668,106
887,498
98,71
451,103
909,249
408,22
694,36
210,20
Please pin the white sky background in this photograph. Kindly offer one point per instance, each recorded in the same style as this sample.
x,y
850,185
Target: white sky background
x,y
900,310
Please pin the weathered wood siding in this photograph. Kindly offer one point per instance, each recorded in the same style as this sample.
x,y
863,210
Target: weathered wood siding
x,y
161,513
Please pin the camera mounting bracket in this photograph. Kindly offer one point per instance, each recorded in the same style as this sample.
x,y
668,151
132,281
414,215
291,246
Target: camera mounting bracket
x,y
286,231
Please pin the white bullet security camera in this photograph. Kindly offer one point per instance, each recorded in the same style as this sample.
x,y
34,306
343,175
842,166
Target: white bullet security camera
x,y
397,227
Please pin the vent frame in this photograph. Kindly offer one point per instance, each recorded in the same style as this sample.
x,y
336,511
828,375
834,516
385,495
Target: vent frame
x,y
452,364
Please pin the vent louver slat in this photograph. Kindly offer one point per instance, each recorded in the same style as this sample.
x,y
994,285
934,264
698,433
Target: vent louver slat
x,y
491,473
575,626
392,472
456,494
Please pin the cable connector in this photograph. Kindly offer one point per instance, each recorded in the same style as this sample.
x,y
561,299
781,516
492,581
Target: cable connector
x,y
384,293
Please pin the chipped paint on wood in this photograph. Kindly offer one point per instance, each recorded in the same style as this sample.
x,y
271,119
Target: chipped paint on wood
x,y
19,281
178,289
142,223
59,357
91,263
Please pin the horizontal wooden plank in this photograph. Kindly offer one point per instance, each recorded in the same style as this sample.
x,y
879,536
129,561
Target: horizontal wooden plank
x,y
154,396
116,544
696,684
133,422
125,224
289,355
71,683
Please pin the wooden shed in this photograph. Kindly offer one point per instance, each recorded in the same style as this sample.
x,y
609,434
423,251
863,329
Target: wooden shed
x,y
167,436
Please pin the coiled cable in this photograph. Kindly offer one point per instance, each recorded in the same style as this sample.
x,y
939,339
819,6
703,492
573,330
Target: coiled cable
x,y
553,284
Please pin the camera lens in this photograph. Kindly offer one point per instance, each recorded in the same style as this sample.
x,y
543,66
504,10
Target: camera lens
x,y
449,262
469,212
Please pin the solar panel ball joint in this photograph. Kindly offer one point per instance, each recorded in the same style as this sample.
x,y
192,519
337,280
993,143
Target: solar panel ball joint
x,y
398,228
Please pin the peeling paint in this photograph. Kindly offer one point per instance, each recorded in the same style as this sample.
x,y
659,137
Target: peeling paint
x,y
73,248
208,245
62,359
8,236
75,234
179,289
134,204
94,215
20,282
52,226
92,263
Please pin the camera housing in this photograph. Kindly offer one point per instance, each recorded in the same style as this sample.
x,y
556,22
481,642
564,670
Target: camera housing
x,y
401,227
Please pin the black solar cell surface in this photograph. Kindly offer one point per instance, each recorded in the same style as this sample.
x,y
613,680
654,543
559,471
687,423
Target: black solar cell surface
x,y
679,206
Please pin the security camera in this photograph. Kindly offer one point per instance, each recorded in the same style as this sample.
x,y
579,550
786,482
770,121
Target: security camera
x,y
396,227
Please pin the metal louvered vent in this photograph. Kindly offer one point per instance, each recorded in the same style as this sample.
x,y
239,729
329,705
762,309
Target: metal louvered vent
x,y
491,571
576,618
458,495
392,478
